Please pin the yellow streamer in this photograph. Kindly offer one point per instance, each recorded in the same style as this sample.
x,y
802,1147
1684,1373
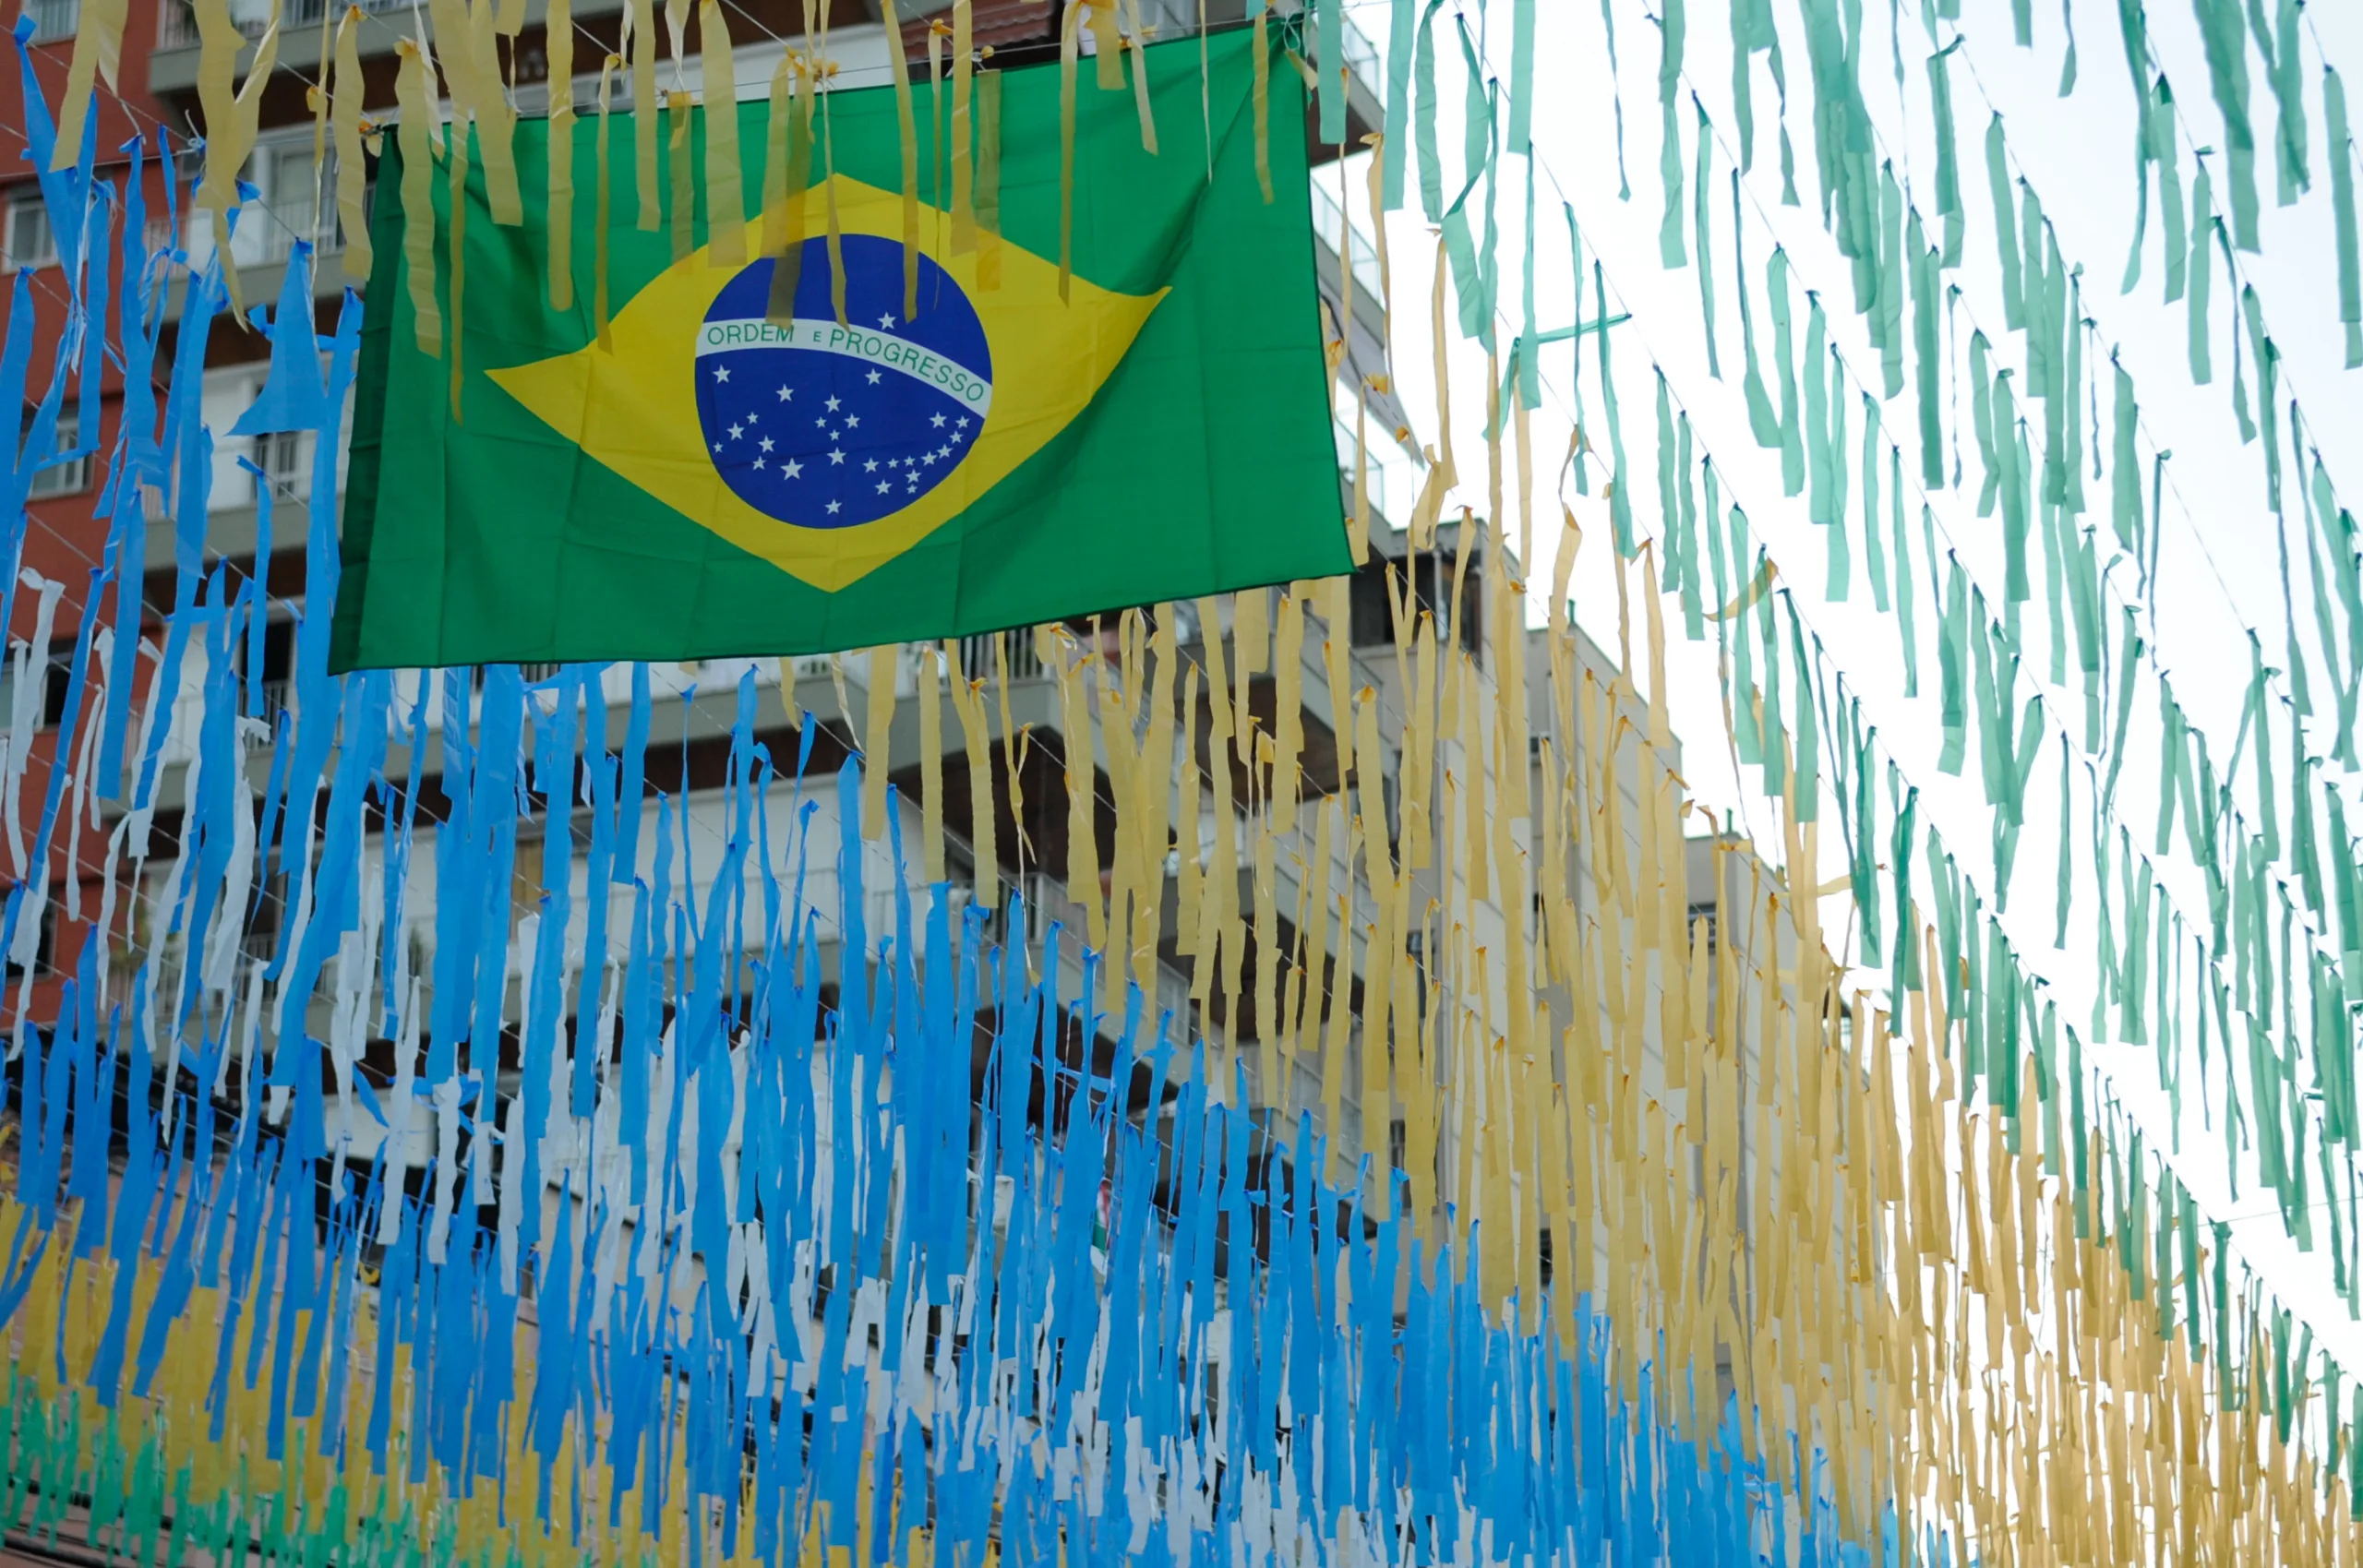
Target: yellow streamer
x,y
883,672
415,92
988,180
639,40
232,122
488,105
601,218
98,52
560,214
1262,104
1070,40
931,700
351,170
1136,48
908,129
457,166
680,195
725,200
787,176
964,212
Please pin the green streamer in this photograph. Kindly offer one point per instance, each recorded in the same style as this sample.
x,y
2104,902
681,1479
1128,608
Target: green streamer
x,y
2055,595
1836,442
2010,443
1952,659
1521,139
2287,79
2170,763
1816,432
2305,855
1926,366
1742,13
2325,630
1906,976
2259,701
1694,610
2202,227
2047,1060
1907,632
2224,31
2006,238
1893,267
1669,505
2268,397
1874,548
2145,154
1576,371
1527,352
1620,503
2125,513
2127,653
2165,149
1793,454
2085,600
1840,567
1746,721
1863,867
1948,206
1712,513
1706,251
1617,101
1776,769
1671,26
1981,413
1760,417
2071,480
1991,709
1393,142
2340,153
1806,775
2064,895
1424,122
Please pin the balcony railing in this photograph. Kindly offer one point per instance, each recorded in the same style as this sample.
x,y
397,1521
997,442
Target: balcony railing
x,y
176,24
976,657
1338,231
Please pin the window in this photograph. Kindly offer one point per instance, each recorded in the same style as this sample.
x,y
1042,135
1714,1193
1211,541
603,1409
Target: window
x,y
281,457
54,19
69,478
278,675
55,676
44,946
1370,597
56,680
289,186
29,241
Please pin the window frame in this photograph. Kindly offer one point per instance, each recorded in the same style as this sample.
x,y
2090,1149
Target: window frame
x,y
18,206
74,473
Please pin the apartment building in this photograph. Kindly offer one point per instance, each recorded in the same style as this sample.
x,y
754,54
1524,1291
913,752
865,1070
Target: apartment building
x,y
824,711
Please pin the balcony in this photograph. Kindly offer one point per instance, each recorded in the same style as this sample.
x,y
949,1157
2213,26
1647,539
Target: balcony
x,y
173,67
176,21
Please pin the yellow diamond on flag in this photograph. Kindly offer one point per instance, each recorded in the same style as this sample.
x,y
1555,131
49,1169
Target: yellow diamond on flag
x,y
829,447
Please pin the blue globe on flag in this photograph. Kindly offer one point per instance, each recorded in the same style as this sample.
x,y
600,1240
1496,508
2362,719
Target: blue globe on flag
x,y
823,425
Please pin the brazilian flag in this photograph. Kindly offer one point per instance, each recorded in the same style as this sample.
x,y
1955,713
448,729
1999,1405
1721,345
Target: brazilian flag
x,y
758,464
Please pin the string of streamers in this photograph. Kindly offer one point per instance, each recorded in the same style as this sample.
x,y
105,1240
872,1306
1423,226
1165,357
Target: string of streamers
x,y
596,1202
